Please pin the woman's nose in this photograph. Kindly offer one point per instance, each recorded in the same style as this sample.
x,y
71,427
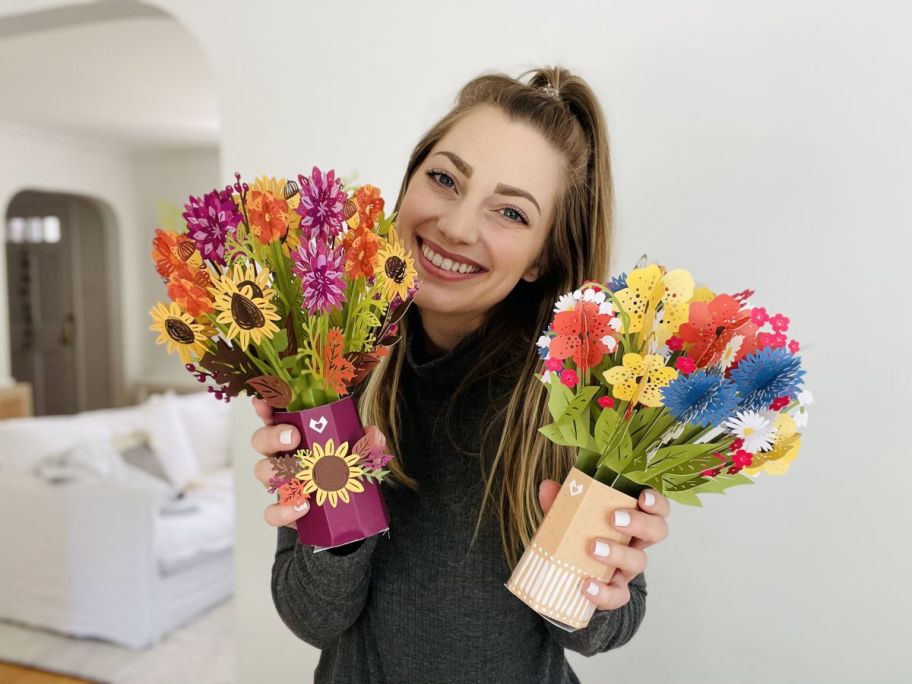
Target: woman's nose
x,y
459,225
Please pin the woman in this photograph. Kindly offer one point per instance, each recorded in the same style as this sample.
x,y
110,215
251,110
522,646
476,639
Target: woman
x,y
506,203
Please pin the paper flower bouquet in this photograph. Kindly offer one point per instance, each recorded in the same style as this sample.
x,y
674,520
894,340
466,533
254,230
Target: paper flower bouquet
x,y
658,384
292,290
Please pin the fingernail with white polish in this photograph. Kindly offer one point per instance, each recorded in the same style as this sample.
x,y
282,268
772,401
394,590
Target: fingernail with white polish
x,y
649,499
592,589
285,436
303,507
621,518
602,549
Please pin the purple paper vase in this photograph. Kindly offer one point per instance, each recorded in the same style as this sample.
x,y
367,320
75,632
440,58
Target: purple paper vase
x,y
365,514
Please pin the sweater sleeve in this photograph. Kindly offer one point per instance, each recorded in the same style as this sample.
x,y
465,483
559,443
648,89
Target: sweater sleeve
x,y
319,595
607,629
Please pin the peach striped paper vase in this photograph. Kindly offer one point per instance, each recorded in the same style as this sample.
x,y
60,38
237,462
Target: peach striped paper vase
x,y
549,576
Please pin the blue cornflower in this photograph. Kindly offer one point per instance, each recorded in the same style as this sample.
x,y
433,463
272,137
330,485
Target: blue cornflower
x,y
618,283
766,375
700,398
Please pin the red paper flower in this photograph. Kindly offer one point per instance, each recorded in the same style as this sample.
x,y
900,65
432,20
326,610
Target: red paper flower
x,y
773,340
779,323
569,378
606,402
686,365
779,403
794,346
711,326
579,335
554,365
674,343
759,316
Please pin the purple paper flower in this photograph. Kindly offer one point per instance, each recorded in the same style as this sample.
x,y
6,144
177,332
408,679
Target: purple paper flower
x,y
321,206
321,272
375,458
209,220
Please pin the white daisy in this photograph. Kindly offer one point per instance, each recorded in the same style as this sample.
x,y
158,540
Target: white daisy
x,y
731,351
610,343
800,416
757,429
593,295
544,342
565,303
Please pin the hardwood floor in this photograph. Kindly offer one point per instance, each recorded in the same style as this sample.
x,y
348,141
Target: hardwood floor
x,y
13,674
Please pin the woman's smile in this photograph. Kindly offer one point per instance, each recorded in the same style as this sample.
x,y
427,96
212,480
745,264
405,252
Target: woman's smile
x,y
436,262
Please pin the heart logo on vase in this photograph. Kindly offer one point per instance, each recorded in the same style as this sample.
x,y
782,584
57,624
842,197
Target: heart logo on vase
x,y
575,488
318,425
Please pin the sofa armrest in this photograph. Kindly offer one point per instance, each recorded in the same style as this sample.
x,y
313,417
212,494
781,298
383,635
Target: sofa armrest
x,y
78,549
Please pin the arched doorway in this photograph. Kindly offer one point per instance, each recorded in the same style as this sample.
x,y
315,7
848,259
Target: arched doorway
x,y
58,284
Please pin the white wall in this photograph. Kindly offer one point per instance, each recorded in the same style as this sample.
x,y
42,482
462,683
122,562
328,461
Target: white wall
x,y
761,145
37,159
165,176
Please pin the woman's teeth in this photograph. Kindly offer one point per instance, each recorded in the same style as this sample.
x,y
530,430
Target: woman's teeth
x,y
447,264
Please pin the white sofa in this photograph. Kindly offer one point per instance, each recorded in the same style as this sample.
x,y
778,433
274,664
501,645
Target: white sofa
x,y
92,547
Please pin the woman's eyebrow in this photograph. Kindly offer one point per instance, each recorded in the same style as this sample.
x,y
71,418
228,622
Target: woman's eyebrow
x,y
464,167
516,192
467,170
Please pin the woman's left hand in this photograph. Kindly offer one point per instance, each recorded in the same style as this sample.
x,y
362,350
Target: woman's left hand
x,y
646,525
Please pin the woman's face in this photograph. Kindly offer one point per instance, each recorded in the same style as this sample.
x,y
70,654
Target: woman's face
x,y
477,211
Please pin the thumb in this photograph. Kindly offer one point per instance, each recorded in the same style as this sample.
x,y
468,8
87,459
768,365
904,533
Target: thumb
x,y
547,492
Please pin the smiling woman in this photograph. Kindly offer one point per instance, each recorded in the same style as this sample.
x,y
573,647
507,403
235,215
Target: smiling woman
x,y
505,204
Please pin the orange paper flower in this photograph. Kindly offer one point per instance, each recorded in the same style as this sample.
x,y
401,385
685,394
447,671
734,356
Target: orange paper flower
x,y
580,334
192,295
267,215
337,370
712,325
361,247
370,204
172,252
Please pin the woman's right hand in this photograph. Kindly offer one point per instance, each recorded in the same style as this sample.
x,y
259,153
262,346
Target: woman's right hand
x,y
271,439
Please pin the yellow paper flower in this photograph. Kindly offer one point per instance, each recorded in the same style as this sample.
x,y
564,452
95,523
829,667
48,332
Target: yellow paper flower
x,y
395,270
244,303
647,288
786,444
640,379
179,331
331,472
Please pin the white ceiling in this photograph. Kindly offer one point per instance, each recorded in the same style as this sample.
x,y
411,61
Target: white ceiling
x,y
138,81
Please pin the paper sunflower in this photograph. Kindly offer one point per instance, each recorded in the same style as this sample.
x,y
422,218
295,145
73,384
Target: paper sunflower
x,y
331,472
244,302
178,329
395,270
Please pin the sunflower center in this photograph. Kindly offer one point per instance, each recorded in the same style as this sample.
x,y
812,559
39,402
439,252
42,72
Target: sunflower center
x,y
330,473
179,331
395,269
245,313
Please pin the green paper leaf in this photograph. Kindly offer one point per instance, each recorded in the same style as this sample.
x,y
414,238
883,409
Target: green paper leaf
x,y
721,482
605,427
553,432
559,396
670,457
577,405
686,497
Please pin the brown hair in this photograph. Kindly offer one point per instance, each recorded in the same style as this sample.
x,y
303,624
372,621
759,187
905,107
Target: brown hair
x,y
514,456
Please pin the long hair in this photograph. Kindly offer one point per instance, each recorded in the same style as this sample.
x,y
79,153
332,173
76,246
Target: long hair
x,y
514,456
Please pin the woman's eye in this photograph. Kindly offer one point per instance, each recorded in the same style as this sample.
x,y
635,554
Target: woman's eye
x,y
442,178
515,215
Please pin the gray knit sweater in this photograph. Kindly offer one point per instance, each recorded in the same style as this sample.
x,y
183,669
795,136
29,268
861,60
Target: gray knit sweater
x,y
421,604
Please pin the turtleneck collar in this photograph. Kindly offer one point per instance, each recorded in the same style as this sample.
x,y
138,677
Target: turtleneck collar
x,y
451,366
